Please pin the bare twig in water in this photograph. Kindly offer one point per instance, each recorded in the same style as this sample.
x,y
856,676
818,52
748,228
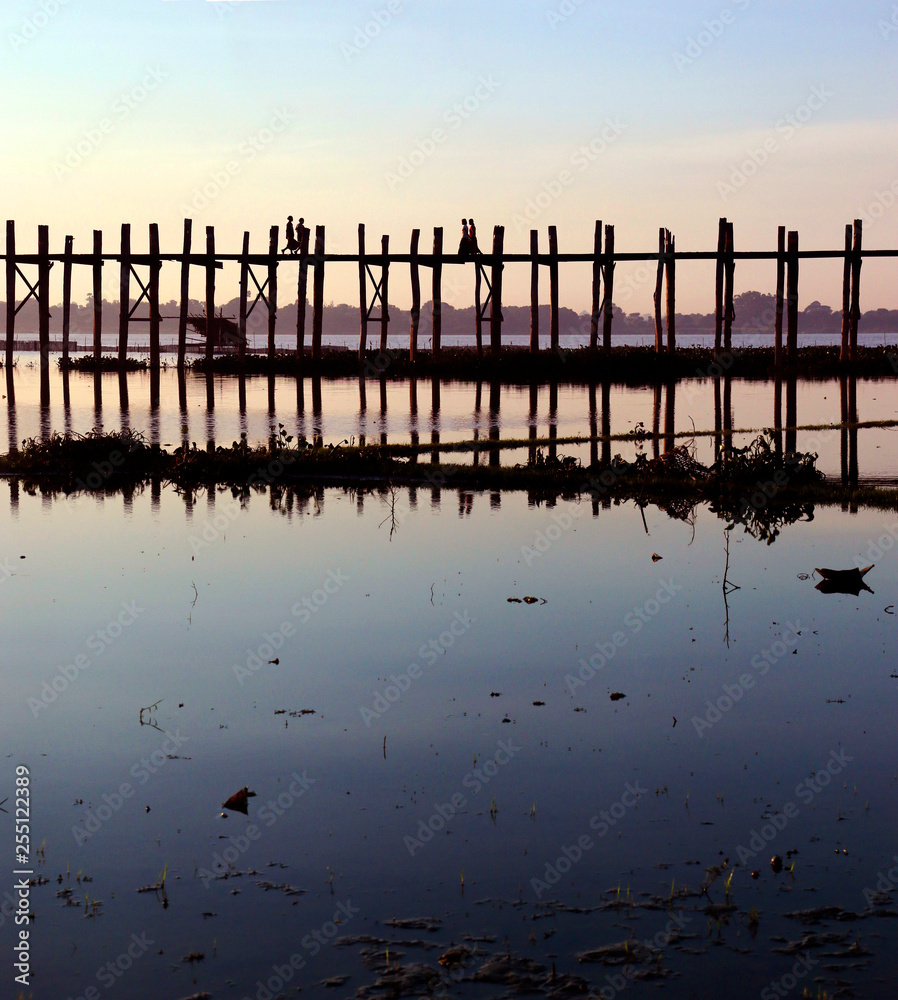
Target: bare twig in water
x,y
196,594
727,588
391,517
149,720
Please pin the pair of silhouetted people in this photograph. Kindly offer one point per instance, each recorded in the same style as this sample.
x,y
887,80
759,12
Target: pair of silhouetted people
x,y
468,245
291,234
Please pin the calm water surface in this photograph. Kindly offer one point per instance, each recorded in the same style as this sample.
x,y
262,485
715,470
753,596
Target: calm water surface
x,y
526,781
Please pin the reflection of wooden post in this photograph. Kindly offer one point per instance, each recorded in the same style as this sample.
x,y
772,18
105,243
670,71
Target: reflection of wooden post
x,y
534,291
244,293
66,298
855,313
318,296
43,293
596,287
729,311
437,314
718,421
852,429
532,418
792,299
496,301
718,285
124,293
778,413
609,287
659,280
656,421
153,296
670,403
416,296
302,286
606,424
780,286
272,289
670,268
478,309
384,291
553,287
210,292
363,295
98,293
791,413
184,309
593,427
10,291
843,407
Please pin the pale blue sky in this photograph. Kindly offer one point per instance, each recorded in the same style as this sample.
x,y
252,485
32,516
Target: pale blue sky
x,y
240,113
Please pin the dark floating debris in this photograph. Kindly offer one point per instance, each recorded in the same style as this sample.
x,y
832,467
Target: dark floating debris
x,y
238,802
656,557
617,695
776,863
843,581
495,694
538,703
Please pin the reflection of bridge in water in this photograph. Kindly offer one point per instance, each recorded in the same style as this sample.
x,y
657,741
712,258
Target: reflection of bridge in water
x,y
302,400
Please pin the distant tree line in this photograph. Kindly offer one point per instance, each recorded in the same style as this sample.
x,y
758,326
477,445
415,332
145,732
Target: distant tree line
x,y
754,314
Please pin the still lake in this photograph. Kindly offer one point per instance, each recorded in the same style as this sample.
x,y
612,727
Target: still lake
x,y
578,794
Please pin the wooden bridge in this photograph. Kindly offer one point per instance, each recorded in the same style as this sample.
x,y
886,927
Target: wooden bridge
x,y
259,286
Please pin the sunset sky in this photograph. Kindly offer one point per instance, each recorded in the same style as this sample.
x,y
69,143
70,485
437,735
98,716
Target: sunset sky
x,y
416,113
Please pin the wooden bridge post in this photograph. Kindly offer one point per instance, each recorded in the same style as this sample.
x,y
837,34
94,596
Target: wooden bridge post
x,y
718,286
609,288
437,290
384,296
534,294
66,298
43,293
210,292
98,294
272,290
780,287
791,301
416,296
670,265
596,287
729,268
184,305
496,300
124,294
10,291
244,293
553,287
478,308
855,312
659,282
844,352
363,295
153,296
302,292
318,295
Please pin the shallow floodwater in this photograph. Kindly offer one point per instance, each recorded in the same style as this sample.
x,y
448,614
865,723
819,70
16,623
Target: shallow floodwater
x,y
439,770
216,410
